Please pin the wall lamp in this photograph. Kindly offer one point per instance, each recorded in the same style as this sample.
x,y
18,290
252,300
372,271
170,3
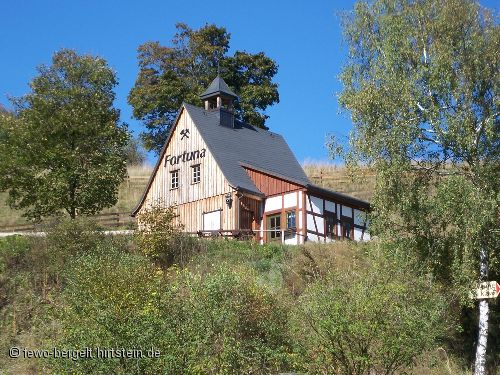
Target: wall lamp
x,y
229,200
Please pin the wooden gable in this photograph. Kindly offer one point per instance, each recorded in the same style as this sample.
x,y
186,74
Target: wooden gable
x,y
184,149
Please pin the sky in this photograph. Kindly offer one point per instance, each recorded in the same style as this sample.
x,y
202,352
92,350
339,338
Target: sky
x,y
303,37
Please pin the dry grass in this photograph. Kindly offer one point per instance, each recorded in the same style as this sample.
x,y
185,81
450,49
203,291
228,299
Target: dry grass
x,y
326,175
338,178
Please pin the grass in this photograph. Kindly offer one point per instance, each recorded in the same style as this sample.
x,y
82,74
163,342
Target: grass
x,y
338,178
326,175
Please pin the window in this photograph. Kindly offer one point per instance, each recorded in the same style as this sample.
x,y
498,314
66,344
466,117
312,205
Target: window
x,y
196,173
330,224
347,228
174,179
274,225
290,219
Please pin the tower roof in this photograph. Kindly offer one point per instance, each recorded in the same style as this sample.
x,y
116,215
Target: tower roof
x,y
218,86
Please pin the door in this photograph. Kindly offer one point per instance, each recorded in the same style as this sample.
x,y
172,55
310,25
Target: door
x,y
246,219
274,226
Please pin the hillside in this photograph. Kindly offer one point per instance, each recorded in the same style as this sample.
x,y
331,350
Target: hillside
x,y
228,307
326,175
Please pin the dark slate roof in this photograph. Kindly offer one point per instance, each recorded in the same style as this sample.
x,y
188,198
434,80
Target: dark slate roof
x,y
246,145
338,197
251,147
218,85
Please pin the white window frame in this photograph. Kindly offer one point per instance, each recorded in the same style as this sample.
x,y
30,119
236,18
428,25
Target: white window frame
x,y
196,173
174,179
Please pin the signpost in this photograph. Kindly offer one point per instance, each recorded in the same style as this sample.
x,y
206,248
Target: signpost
x,y
488,289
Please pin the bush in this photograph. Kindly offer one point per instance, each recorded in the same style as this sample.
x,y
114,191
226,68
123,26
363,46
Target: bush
x,y
223,322
235,325
159,238
374,319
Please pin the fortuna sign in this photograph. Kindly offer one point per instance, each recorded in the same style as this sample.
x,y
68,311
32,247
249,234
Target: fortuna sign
x,y
184,157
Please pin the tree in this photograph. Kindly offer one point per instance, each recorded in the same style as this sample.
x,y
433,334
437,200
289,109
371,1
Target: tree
x,y
179,73
64,149
421,84
134,152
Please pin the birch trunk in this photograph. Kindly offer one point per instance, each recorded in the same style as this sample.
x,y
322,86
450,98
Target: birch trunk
x,y
484,309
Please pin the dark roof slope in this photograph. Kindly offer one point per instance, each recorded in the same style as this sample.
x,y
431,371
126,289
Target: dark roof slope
x,y
339,197
218,85
246,145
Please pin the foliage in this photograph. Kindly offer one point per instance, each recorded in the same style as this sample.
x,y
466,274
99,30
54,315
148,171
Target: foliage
x,y
134,152
179,73
64,149
159,237
230,310
223,322
420,85
368,319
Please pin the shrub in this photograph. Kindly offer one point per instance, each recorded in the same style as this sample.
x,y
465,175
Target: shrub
x,y
158,237
375,319
235,325
223,322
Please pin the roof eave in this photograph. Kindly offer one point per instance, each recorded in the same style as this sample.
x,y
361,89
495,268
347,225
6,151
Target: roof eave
x,y
358,203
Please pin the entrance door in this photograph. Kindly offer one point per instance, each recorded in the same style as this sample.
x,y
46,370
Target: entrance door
x,y
246,219
274,225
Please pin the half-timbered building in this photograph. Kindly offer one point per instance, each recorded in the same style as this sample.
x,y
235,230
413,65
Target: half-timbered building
x,y
229,177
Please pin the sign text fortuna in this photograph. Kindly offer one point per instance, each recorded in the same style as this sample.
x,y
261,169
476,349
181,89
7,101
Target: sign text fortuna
x,y
184,157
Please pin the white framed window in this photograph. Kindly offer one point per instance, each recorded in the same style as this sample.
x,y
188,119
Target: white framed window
x,y
274,225
174,179
196,173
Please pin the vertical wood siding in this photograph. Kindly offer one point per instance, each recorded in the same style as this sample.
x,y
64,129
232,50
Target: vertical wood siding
x,y
191,199
270,185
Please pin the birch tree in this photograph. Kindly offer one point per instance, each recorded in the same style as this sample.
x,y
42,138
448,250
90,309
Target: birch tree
x,y
421,84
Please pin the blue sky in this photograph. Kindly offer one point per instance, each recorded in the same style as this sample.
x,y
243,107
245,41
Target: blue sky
x,y
304,37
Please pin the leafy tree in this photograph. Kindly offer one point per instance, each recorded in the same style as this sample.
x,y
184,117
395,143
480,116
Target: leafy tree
x,y
171,75
374,318
134,152
64,149
421,84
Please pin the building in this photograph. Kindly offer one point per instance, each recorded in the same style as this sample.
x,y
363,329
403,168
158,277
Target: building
x,y
228,177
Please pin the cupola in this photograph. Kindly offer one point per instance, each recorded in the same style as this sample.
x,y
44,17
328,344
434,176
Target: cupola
x,y
218,95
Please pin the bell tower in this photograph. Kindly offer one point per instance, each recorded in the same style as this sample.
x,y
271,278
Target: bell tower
x,y
218,95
